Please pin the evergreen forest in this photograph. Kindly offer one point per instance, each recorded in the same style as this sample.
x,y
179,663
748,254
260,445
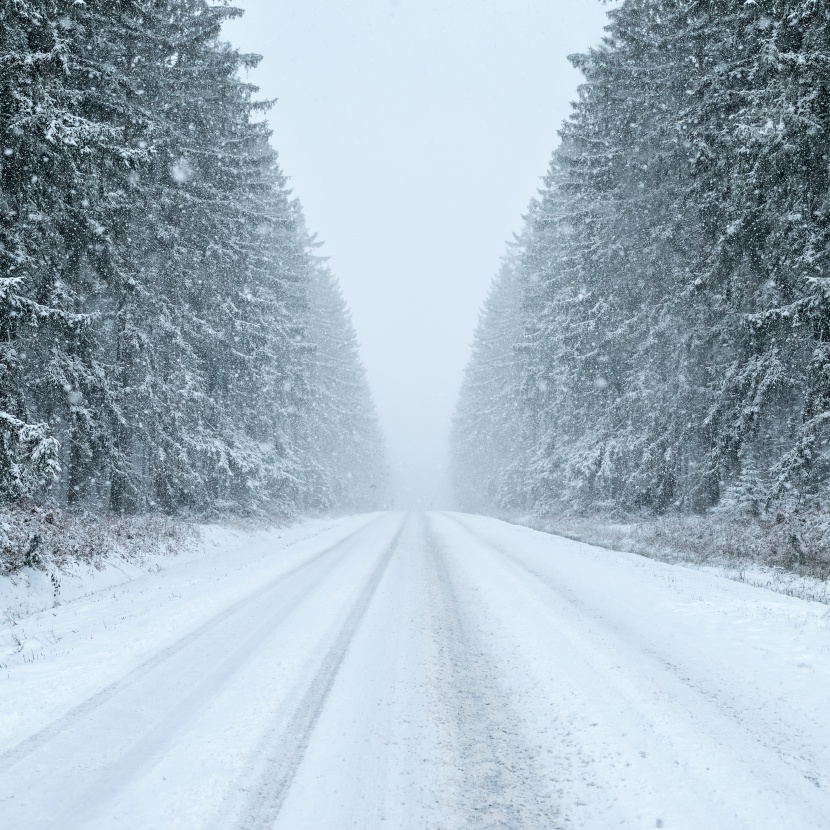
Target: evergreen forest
x,y
170,341
658,337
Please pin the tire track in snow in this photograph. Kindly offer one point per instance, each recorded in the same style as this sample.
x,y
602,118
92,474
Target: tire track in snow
x,y
501,784
22,750
268,793
794,758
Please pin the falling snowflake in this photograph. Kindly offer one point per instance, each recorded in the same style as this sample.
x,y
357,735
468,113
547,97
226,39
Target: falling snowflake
x,y
182,171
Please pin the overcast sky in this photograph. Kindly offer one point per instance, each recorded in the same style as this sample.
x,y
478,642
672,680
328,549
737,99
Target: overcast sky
x,y
415,133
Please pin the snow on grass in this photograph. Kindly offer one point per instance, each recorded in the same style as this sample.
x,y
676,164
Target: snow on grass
x,y
786,556
109,618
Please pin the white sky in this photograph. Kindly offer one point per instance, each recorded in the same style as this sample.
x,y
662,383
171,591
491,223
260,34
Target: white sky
x,y
414,133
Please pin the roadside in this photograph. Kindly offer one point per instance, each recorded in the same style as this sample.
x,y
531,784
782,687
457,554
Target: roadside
x,y
50,557
787,554
48,610
434,673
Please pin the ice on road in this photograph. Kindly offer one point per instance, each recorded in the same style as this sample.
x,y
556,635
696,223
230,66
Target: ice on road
x,y
417,671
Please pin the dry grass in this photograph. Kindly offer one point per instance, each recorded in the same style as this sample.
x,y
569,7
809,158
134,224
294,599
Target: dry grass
x,y
797,543
37,537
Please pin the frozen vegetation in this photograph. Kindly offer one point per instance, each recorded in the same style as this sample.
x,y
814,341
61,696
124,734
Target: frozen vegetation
x,y
179,375
169,341
658,339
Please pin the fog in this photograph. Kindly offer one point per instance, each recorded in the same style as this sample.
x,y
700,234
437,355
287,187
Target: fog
x,y
415,134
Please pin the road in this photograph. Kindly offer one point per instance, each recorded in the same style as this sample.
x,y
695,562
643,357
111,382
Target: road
x,y
422,671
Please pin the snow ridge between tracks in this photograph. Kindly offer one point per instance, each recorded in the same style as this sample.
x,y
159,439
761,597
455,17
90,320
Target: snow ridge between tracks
x,y
500,783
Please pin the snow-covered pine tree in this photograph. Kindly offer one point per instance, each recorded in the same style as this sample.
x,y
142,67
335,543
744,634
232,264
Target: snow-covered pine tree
x,y
771,409
155,277
342,429
676,314
219,212
603,265
488,437
53,153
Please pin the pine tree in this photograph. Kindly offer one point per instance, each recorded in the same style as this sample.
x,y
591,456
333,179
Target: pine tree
x,y
157,286
488,439
344,436
674,321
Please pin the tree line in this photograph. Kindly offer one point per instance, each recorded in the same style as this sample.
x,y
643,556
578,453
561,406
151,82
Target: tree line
x,y
169,339
658,337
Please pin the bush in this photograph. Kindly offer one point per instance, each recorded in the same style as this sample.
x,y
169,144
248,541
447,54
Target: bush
x,y
44,539
797,542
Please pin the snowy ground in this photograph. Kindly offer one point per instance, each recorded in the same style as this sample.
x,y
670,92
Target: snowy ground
x,y
420,671
743,550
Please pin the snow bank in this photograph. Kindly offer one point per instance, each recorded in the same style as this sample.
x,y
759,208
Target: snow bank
x,y
765,555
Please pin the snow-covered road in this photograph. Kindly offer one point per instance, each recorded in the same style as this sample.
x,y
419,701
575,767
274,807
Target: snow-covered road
x,y
419,671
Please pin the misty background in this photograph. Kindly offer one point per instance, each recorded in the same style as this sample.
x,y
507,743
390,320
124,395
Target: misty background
x,y
413,134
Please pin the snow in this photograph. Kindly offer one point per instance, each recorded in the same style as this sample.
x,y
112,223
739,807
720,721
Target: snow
x,y
108,620
415,671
